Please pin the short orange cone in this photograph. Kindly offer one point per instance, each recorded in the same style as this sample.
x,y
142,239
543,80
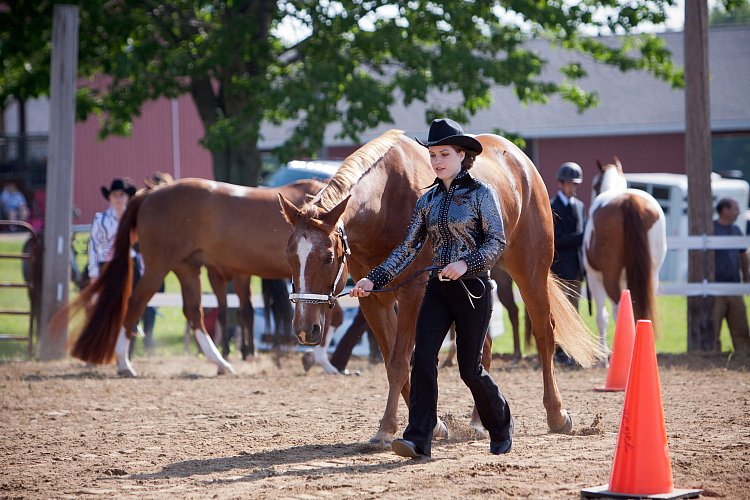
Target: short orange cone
x,y
641,467
622,348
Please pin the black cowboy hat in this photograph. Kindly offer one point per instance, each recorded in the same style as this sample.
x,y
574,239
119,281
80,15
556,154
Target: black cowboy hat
x,y
446,131
118,185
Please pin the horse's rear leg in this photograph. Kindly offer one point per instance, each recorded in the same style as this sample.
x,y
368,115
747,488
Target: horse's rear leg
x,y
536,296
505,295
189,277
595,284
245,318
221,333
147,286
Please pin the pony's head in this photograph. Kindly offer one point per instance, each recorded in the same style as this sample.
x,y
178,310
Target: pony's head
x,y
316,252
610,176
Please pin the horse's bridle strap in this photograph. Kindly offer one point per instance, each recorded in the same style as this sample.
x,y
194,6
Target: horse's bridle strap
x,y
330,299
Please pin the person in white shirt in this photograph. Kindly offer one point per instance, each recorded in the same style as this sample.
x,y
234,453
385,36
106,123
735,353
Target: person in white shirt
x,y
104,226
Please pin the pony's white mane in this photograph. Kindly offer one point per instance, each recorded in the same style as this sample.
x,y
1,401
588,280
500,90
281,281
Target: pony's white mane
x,y
353,168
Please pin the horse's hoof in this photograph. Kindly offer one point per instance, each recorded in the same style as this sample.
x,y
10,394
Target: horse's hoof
x,y
480,432
381,442
567,427
350,373
226,368
440,430
127,372
308,360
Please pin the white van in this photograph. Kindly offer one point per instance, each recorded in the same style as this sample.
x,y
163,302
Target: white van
x,y
671,191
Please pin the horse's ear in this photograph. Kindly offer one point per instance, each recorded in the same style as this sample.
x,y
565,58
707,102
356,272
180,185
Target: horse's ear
x,y
618,164
331,217
599,164
290,212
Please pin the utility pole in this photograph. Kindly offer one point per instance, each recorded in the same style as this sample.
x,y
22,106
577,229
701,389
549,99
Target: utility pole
x,y
698,159
56,273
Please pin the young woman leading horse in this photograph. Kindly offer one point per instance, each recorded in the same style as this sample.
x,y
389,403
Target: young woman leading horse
x,y
363,213
463,221
180,227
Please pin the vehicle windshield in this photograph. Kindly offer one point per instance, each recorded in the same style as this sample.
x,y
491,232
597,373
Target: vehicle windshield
x,y
297,170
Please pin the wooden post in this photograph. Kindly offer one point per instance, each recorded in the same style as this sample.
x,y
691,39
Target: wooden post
x,y
57,217
698,159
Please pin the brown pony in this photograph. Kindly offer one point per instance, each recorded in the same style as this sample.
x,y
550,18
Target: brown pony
x,y
180,227
625,243
369,202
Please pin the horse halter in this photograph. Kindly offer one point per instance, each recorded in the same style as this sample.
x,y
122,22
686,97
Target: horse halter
x,y
330,299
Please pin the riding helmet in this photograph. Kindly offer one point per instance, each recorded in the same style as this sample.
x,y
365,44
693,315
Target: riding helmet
x,y
570,171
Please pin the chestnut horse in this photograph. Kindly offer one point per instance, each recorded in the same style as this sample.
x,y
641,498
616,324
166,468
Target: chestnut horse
x,y
363,213
624,245
180,227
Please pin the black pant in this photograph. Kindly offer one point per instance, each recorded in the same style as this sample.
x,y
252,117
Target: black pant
x,y
446,302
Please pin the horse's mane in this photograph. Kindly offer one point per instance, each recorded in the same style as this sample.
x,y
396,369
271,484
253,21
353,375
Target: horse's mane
x,y
353,168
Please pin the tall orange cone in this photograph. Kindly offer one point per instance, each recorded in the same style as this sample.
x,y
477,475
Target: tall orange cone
x,y
622,348
641,467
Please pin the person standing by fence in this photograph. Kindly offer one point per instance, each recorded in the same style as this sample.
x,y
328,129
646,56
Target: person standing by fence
x,y
731,267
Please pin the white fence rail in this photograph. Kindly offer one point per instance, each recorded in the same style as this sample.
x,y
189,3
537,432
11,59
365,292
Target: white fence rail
x,y
704,243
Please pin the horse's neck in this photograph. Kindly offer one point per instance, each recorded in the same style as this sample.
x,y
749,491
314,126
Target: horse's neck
x,y
612,181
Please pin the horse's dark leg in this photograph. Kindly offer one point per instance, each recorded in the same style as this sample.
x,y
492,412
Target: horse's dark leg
x,y
219,286
189,277
351,338
246,316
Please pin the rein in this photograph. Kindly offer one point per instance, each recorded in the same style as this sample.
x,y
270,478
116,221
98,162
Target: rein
x,y
330,298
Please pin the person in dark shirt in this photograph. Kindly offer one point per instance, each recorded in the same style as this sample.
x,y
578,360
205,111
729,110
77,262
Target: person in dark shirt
x,y
731,267
461,218
567,215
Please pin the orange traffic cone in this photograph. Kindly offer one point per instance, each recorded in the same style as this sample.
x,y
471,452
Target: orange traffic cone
x,y
622,349
641,466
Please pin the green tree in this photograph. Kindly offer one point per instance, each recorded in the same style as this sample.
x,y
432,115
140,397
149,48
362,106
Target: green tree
x,y
354,60
735,14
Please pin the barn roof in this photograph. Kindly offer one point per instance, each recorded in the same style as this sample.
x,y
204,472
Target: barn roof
x,y
632,102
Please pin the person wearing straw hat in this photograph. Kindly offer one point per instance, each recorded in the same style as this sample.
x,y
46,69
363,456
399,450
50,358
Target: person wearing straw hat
x,y
462,218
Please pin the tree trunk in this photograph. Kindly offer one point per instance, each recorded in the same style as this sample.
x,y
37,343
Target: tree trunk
x,y
698,159
238,165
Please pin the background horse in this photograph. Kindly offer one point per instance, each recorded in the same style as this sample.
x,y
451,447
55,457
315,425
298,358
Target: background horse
x,y
366,208
625,243
180,227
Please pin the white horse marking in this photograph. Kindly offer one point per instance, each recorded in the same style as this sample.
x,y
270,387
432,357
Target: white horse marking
x,y
211,353
122,351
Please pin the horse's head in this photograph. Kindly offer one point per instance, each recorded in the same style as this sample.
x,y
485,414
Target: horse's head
x,y
610,176
316,252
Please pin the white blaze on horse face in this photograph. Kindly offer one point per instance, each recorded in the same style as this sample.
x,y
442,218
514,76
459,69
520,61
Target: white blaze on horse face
x,y
304,248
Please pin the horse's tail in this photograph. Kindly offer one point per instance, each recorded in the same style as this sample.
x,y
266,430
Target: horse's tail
x,y
571,333
110,294
638,264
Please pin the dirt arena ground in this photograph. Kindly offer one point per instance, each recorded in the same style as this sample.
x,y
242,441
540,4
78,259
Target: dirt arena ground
x,y
179,431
